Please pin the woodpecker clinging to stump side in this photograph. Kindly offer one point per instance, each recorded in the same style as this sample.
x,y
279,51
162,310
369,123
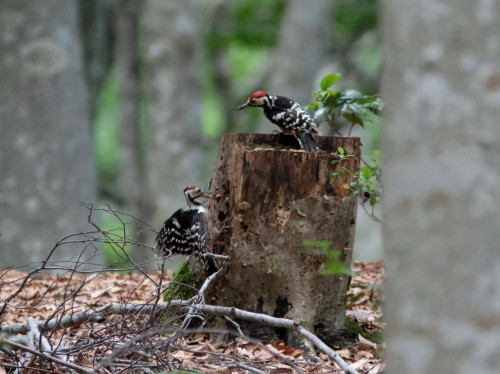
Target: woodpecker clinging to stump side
x,y
185,232
288,115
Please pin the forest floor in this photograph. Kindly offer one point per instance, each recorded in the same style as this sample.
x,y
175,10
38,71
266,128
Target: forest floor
x,y
202,352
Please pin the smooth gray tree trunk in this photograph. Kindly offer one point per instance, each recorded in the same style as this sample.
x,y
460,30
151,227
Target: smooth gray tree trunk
x,y
442,175
46,155
302,49
133,173
172,42
96,25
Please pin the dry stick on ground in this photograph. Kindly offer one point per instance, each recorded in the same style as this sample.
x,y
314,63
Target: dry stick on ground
x,y
78,368
100,313
36,338
94,315
199,299
246,367
160,345
278,322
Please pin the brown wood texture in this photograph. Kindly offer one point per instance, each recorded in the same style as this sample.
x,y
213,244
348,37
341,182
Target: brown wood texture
x,y
273,198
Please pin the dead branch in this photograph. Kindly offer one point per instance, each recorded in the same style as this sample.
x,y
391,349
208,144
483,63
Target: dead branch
x,y
246,367
278,322
78,368
99,314
121,336
93,315
199,299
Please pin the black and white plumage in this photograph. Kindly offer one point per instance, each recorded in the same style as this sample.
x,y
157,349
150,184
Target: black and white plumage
x,y
185,232
288,115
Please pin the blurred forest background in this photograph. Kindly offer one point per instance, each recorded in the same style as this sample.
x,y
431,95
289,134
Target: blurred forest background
x,y
122,102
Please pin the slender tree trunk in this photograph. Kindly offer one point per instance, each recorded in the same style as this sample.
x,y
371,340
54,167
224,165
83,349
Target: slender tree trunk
x,y
46,160
442,160
133,176
96,26
302,47
172,58
273,200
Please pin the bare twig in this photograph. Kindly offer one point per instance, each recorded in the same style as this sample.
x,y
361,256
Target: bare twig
x,y
34,336
278,322
93,315
98,315
246,367
77,368
136,343
199,299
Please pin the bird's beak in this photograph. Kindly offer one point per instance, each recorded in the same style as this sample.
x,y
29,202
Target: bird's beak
x,y
207,194
242,107
211,195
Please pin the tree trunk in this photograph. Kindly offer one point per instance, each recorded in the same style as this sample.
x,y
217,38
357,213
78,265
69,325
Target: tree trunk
x,y
46,160
302,49
133,178
274,199
96,21
441,83
172,42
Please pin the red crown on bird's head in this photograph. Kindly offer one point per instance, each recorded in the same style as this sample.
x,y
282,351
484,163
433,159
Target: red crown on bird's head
x,y
190,187
258,95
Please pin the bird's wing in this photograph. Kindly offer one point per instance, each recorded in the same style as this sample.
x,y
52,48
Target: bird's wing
x,y
182,233
297,119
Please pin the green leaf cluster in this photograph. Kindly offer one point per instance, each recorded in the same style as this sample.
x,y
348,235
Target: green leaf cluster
x,y
366,181
356,108
351,105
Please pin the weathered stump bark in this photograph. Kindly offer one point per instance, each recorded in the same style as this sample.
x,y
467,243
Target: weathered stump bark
x,y
274,197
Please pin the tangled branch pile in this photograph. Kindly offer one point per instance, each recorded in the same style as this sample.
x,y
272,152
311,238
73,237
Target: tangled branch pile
x,y
112,322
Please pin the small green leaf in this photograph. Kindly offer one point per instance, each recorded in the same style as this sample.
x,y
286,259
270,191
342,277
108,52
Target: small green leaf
x,y
331,100
319,115
352,117
376,152
341,150
333,264
314,105
366,171
329,81
352,94
308,243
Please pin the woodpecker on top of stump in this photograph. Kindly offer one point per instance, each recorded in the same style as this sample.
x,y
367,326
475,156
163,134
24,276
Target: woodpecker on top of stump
x,y
185,232
288,115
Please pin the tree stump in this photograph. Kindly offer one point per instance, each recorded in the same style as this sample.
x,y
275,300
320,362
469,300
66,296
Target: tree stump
x,y
274,198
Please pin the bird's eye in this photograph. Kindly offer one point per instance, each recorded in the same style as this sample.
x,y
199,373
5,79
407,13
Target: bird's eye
x,y
252,101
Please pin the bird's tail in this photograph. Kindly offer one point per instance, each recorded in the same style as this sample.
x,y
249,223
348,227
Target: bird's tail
x,y
307,142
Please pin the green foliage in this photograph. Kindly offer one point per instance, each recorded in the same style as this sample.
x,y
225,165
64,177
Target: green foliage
x,y
350,105
106,143
366,181
354,18
354,327
329,80
114,244
333,263
247,14
358,109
